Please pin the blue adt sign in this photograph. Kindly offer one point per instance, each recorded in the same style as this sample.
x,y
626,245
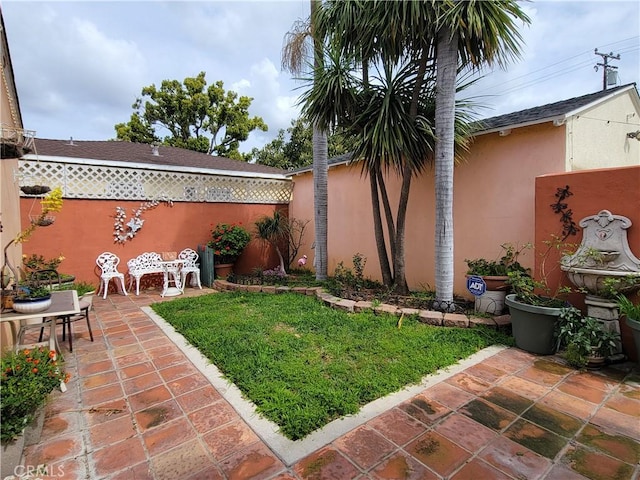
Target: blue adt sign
x,y
476,285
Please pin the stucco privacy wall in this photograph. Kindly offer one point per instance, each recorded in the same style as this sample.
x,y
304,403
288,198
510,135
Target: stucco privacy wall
x,y
601,132
613,189
84,229
494,192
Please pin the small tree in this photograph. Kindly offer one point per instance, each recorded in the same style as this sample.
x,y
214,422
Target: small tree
x,y
274,230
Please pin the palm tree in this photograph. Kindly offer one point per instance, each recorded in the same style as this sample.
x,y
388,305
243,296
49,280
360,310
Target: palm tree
x,y
294,56
275,231
477,33
391,116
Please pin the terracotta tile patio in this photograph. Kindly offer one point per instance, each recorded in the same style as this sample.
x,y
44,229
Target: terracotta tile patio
x,y
137,407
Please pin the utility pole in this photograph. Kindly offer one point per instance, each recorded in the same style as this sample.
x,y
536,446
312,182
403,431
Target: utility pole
x,y
606,67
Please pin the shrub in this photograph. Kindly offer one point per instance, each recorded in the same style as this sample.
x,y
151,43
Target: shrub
x,y
28,377
228,242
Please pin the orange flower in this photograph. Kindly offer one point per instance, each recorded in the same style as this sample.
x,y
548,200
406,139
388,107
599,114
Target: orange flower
x,y
34,370
52,354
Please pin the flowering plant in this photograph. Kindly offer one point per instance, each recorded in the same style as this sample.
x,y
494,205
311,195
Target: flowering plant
x,y
28,377
34,262
228,241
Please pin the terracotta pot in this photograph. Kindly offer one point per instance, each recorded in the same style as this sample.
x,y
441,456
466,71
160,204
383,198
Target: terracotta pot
x,y
223,270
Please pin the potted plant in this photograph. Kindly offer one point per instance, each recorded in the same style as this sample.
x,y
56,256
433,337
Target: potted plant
x,y
227,241
84,289
632,312
494,274
584,339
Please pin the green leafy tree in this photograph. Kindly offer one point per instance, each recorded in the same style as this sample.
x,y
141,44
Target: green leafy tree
x,y
198,117
293,147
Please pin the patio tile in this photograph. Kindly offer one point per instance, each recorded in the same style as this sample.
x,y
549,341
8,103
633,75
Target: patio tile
x,y
91,368
159,414
487,373
210,473
141,471
141,383
448,395
477,469
465,432
105,412
100,395
624,404
118,456
596,465
507,361
213,416
514,459
438,453
507,399
524,387
133,358
618,446
589,380
199,398
545,372
68,446
126,350
397,426
186,460
187,384
488,414
148,398
254,462
59,424
326,464
424,409
177,371
568,404
137,369
229,438
168,360
468,383
562,472
541,441
112,431
168,435
99,380
402,466
364,446
616,422
553,420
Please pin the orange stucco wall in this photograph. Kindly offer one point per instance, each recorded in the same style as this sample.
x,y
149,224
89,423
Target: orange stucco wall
x,y
494,194
615,189
84,229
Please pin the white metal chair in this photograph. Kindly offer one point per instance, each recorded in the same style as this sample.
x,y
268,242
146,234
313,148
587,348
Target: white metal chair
x,y
190,265
108,263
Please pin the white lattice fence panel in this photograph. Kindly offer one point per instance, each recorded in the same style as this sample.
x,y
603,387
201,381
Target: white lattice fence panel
x,y
103,182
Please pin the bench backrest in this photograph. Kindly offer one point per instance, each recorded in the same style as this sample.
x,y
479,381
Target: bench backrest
x,y
145,261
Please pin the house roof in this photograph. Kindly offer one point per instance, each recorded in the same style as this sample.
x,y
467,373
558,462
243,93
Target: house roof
x,y
557,111
141,155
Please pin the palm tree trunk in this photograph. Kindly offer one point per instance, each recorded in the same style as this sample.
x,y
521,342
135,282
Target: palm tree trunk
x,y
320,195
444,150
383,258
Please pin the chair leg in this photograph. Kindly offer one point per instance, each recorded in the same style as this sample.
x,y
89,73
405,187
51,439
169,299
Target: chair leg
x,y
124,290
68,322
86,313
105,282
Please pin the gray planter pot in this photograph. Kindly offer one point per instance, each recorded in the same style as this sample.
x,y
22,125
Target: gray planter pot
x,y
533,326
634,325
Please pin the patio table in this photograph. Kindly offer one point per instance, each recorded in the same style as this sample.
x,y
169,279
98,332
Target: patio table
x,y
171,267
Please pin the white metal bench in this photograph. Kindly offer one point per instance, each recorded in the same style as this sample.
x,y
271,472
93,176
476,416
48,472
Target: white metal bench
x,y
144,264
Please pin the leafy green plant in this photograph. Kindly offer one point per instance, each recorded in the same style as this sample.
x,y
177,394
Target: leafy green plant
x,y
583,337
81,287
228,241
28,377
508,262
628,308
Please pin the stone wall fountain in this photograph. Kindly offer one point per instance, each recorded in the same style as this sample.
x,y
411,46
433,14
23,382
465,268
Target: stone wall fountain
x,y
603,264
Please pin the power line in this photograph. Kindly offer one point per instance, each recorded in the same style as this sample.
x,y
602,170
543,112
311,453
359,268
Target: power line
x,y
608,71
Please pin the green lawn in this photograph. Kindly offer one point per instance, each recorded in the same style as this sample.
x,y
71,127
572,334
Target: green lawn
x,y
304,364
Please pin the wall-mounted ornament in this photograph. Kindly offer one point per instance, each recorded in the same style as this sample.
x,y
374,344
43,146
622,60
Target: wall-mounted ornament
x,y
126,231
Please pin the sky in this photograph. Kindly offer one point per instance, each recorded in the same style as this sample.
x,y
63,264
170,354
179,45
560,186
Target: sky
x,y
80,65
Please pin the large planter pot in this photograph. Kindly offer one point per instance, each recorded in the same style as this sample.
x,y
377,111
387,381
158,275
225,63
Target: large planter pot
x,y
634,325
533,326
223,270
31,305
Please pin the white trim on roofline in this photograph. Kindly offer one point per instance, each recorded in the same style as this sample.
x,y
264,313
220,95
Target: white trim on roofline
x,y
150,166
